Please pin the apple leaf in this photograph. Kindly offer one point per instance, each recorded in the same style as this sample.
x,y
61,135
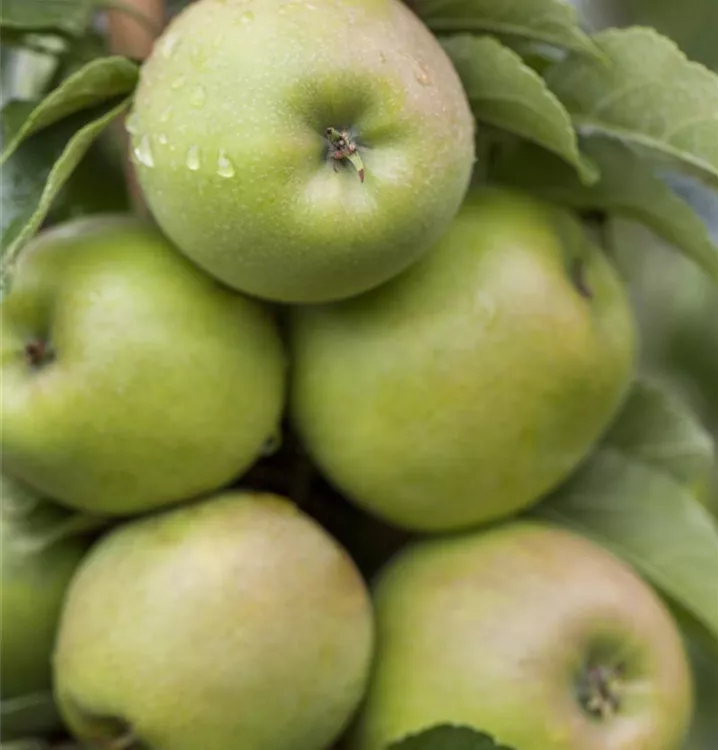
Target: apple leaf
x,y
69,16
27,715
97,82
632,497
649,96
38,169
552,22
627,186
657,428
508,94
448,737
703,734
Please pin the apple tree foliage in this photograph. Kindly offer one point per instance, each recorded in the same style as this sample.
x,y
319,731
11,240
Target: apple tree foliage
x,y
601,118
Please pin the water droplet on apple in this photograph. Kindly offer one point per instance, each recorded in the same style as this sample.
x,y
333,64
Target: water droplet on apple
x,y
162,138
131,124
169,45
143,152
225,168
193,161
179,82
165,116
246,17
198,98
422,76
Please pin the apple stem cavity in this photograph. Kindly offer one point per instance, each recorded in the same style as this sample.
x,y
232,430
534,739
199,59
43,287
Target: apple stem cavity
x,y
599,691
38,352
342,147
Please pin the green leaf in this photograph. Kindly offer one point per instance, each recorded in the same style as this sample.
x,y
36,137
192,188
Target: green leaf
x,y
631,497
550,22
703,734
649,96
447,737
28,715
97,82
508,94
657,429
39,168
628,187
70,16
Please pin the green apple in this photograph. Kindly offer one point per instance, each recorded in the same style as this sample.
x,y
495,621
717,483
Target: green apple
x,y
130,379
467,388
530,633
236,622
34,580
301,151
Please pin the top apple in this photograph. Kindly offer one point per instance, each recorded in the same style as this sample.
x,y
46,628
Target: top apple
x,y
301,151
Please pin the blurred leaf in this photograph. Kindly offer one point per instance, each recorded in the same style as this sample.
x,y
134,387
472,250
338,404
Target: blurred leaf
x,y
703,734
691,23
99,81
632,497
649,96
508,94
447,737
37,522
27,716
70,16
549,21
658,429
627,187
40,167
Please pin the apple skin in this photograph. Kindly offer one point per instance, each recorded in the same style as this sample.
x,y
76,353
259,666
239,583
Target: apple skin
x,y
494,629
229,140
162,384
473,384
34,581
236,622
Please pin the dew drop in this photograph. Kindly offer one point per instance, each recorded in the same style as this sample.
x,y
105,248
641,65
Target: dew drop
x,y
192,160
225,168
423,77
131,124
179,82
165,116
143,152
198,98
169,45
162,138
246,18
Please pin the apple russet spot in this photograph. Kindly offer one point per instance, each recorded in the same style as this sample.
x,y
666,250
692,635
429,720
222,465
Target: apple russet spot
x,y
232,623
130,378
301,151
530,633
465,389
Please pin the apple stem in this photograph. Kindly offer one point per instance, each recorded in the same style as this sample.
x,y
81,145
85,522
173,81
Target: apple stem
x,y
342,147
37,352
600,692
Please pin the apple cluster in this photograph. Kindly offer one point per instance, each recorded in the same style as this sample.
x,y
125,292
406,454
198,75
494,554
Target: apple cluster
x,y
446,354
